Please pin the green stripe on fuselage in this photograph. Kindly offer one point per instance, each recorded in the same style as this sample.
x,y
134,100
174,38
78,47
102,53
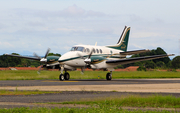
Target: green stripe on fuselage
x,y
104,57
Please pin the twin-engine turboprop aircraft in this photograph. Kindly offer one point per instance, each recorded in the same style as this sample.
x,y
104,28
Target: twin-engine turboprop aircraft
x,y
95,57
101,57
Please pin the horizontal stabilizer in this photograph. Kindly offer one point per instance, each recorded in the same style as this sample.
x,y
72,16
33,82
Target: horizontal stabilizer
x,y
137,59
134,52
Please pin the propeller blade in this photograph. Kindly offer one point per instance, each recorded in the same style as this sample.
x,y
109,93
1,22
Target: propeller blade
x,y
37,56
88,59
90,53
47,53
82,70
40,69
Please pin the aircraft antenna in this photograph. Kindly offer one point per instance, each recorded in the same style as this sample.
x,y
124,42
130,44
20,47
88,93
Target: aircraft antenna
x,y
96,44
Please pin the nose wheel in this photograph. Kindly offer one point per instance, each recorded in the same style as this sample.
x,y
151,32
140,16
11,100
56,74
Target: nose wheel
x,y
64,76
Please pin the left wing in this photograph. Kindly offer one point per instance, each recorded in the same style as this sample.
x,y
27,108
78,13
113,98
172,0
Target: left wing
x,y
137,59
31,58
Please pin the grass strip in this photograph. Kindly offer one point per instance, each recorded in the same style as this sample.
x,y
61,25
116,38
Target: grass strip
x,y
77,110
44,75
154,101
19,92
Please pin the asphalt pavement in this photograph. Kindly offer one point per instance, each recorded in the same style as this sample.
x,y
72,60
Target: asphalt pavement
x,y
9,101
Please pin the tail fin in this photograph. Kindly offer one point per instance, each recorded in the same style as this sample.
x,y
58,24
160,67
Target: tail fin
x,y
123,41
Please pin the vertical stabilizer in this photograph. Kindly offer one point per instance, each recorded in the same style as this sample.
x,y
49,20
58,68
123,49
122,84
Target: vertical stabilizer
x,y
123,41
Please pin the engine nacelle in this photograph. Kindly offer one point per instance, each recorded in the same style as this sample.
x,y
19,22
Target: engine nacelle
x,y
97,59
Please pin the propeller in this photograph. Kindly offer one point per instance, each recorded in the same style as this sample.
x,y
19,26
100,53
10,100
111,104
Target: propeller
x,y
86,60
44,59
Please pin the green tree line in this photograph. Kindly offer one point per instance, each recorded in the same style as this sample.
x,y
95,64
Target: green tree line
x,y
162,63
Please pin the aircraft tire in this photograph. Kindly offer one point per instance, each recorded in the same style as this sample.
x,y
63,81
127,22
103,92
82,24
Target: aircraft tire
x,y
66,76
108,76
61,77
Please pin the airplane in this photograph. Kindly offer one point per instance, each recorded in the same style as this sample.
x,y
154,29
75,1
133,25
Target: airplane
x,y
101,57
49,62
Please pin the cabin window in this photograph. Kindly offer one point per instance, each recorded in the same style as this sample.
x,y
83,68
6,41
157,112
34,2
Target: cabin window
x,y
77,48
97,50
94,51
100,51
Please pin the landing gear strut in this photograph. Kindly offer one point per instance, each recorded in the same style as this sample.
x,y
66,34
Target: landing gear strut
x,y
109,76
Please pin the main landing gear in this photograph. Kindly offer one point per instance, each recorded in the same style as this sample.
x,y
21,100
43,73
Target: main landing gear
x,y
64,76
109,76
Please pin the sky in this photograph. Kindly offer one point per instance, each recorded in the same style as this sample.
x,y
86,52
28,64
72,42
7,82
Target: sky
x,y
28,26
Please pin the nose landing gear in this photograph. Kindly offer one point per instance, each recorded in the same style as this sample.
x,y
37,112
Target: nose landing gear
x,y
64,76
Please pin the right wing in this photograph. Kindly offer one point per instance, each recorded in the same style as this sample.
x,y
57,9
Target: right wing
x,y
137,59
134,52
31,58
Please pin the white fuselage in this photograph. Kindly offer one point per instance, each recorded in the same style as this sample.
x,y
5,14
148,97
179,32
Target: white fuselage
x,y
75,58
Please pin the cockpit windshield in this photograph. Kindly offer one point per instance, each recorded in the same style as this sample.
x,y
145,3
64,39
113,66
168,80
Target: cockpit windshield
x,y
77,49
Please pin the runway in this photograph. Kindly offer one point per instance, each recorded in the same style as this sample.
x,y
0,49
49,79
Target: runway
x,y
119,85
86,82
83,89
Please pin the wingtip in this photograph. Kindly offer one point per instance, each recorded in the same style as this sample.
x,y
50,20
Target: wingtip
x,y
148,50
170,54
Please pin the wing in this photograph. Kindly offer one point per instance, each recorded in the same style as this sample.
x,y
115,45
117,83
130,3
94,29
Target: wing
x,y
137,59
134,52
31,58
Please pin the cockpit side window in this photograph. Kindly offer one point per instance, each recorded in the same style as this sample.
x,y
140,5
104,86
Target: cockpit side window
x,y
80,48
77,49
73,48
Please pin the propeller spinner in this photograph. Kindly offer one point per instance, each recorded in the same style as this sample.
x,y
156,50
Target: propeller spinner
x,y
88,59
44,59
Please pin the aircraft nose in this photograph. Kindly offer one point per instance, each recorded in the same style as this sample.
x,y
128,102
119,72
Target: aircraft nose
x,y
66,57
60,60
